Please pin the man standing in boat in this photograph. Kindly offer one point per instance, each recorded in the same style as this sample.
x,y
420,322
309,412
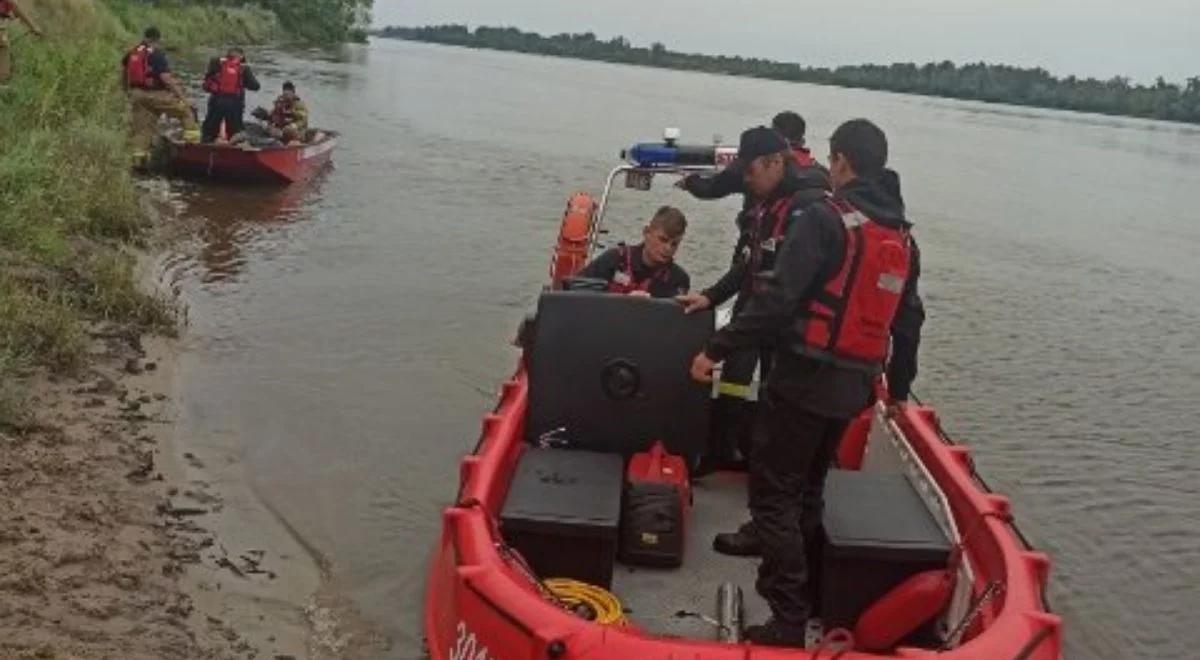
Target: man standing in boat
x,y
153,91
761,224
226,81
649,267
843,289
10,10
731,180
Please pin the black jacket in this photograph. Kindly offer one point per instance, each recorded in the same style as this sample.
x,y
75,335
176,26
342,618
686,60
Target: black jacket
x,y
810,256
809,185
668,281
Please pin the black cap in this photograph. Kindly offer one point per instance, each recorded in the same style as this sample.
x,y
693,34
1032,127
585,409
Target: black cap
x,y
759,141
287,84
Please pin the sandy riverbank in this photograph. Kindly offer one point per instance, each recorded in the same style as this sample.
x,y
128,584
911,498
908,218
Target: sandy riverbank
x,y
118,542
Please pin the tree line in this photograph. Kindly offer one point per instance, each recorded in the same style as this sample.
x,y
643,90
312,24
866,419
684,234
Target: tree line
x,y
317,21
996,83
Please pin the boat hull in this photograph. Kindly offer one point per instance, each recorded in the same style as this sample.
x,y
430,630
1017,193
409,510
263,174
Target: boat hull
x,y
480,605
282,165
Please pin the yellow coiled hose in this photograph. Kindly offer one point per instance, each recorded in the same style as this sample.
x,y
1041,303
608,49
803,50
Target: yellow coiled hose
x,y
596,601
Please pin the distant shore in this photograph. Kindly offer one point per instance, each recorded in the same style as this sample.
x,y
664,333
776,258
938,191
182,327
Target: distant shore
x,y
993,83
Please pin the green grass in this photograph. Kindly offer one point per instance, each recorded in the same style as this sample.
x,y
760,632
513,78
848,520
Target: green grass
x,y
69,211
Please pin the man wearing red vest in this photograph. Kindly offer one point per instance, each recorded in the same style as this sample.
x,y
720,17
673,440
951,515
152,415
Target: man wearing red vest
x,y
649,267
761,226
9,11
730,181
842,293
153,91
226,82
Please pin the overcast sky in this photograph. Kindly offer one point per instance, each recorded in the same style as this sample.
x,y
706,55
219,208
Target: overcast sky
x,y
1102,38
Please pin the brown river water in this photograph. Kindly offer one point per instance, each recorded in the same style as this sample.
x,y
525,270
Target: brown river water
x,y
346,336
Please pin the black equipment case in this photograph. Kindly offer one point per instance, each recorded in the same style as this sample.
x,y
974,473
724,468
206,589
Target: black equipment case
x,y
878,532
562,512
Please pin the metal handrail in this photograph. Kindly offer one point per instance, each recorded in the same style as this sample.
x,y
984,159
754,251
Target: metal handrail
x,y
602,207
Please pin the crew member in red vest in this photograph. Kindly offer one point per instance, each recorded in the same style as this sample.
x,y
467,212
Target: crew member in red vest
x,y
153,91
730,181
761,226
839,309
10,11
226,82
648,268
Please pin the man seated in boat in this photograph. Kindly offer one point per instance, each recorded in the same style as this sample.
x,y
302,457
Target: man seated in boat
x,y
648,268
288,119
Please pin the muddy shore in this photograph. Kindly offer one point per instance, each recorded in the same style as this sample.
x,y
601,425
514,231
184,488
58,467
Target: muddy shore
x,y
118,542
120,539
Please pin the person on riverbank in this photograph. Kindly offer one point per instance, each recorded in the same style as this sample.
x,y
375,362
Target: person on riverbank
x,y
10,10
226,82
649,267
288,119
843,291
761,224
153,91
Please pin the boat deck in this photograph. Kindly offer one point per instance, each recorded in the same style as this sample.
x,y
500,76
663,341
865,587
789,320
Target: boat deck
x,y
655,597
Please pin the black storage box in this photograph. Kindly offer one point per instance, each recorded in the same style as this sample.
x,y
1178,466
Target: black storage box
x,y
611,371
562,512
878,532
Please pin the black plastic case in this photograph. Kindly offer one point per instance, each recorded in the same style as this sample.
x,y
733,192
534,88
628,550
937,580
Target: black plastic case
x,y
562,513
878,532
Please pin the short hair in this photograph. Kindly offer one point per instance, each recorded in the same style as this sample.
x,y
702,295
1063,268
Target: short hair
x,y
670,220
236,49
863,144
791,125
152,34
287,85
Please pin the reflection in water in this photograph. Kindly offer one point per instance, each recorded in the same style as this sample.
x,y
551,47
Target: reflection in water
x,y
234,216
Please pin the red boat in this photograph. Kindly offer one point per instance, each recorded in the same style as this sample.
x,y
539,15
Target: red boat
x,y
485,601
280,164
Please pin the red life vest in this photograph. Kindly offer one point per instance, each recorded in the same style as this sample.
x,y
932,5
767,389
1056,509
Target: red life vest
x,y
767,227
137,67
228,79
283,112
803,157
624,281
849,321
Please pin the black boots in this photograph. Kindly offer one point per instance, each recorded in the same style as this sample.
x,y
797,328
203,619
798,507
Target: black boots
x,y
742,543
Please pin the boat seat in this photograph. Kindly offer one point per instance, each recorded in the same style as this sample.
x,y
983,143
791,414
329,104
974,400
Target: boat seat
x,y
610,373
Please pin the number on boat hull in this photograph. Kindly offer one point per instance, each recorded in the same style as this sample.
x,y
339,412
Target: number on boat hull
x,y
467,646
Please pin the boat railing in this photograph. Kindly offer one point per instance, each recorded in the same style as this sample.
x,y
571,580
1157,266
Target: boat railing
x,y
602,207
936,423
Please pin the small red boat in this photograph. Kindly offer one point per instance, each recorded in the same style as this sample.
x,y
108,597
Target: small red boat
x,y
484,601
277,164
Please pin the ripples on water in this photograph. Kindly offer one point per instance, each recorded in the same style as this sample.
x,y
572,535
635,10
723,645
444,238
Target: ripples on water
x,y
347,335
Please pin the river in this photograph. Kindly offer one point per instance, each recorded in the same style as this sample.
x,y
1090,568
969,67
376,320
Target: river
x,y
346,336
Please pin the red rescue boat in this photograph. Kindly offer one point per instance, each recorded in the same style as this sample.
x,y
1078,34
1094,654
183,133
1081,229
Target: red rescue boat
x,y
280,164
484,601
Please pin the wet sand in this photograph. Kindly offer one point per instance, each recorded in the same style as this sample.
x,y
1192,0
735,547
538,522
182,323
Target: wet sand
x,y
116,541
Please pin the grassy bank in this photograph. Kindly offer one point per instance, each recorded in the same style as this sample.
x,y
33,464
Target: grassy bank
x,y
69,212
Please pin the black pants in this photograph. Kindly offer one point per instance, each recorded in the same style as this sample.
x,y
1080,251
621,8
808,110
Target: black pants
x,y
227,108
791,457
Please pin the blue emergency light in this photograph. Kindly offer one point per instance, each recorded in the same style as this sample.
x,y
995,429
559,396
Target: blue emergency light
x,y
669,153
